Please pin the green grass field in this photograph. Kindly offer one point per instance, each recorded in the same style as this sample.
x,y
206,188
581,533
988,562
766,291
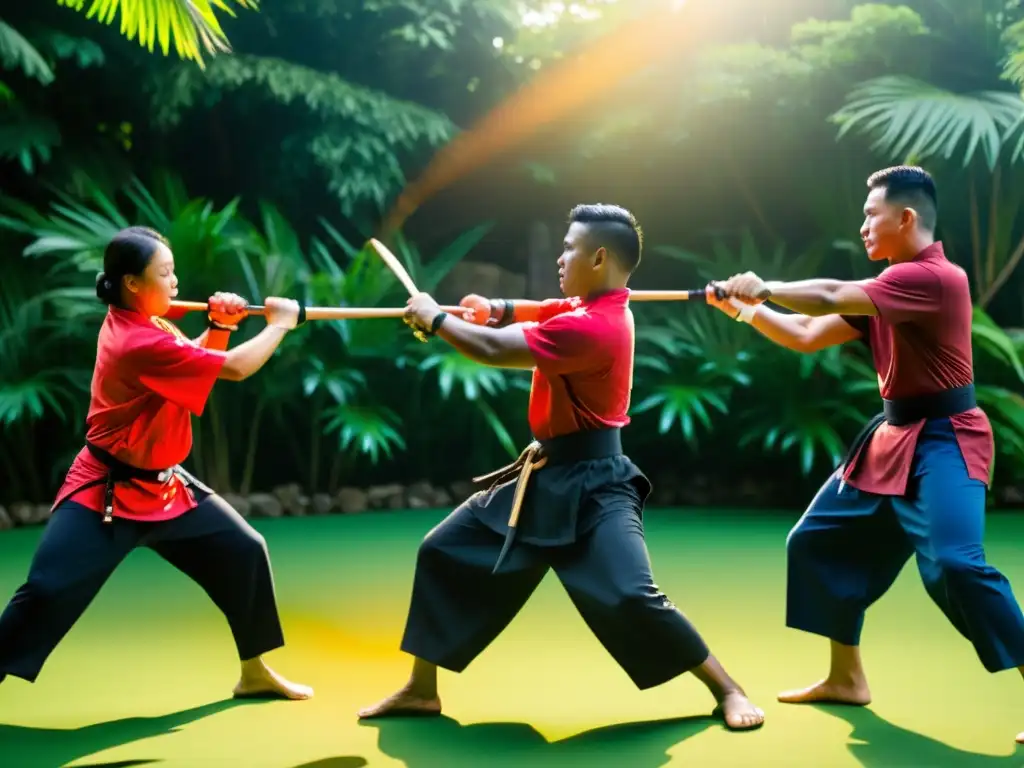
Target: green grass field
x,y
145,677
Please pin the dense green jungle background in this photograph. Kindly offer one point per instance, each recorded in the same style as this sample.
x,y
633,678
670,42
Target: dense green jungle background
x,y
270,165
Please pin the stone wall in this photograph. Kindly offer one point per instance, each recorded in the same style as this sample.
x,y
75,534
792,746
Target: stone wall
x,y
669,491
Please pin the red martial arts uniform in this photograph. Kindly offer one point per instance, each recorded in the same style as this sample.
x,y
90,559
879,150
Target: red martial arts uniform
x,y
147,382
581,515
584,373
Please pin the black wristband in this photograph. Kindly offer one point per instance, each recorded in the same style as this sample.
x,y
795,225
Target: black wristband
x,y
507,313
435,326
302,313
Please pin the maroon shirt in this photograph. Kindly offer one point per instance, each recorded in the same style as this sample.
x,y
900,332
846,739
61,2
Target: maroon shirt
x,y
921,344
584,354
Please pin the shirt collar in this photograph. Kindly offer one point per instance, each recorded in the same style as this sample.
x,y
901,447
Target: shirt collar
x,y
616,296
931,252
127,316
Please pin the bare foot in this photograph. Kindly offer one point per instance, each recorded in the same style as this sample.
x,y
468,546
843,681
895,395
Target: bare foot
x,y
404,703
259,681
828,692
1020,738
739,712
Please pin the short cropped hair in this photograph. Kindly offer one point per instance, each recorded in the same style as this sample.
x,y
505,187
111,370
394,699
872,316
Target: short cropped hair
x,y
614,228
911,186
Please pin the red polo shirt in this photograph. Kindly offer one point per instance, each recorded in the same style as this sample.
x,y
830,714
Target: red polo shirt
x,y
148,381
921,343
583,349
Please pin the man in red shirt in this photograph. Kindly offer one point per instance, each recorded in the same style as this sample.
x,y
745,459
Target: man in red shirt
x,y
573,500
126,488
915,479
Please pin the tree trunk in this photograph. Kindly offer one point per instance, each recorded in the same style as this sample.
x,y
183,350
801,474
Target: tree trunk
x,y
250,447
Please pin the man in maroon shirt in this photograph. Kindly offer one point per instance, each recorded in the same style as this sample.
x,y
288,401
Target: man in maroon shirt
x,y
573,501
915,479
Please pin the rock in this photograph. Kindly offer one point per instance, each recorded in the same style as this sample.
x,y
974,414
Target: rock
x,y
421,495
386,497
265,505
42,514
322,504
241,504
352,500
294,502
5,520
23,513
442,498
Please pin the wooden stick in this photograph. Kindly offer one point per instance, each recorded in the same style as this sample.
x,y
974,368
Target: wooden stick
x,y
394,265
695,295
319,313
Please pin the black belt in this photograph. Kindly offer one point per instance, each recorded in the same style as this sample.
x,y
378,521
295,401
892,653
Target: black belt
x,y
564,449
120,472
582,446
908,410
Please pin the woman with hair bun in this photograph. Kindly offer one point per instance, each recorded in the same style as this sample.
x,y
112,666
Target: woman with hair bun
x,y
126,488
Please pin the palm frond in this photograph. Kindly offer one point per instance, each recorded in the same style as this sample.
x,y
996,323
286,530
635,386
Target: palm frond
x,y
192,25
18,53
27,139
911,119
80,50
366,430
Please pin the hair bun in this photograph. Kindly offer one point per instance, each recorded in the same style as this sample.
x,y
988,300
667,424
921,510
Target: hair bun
x,y
105,289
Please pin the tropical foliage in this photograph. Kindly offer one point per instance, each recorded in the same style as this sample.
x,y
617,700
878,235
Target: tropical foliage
x,y
268,142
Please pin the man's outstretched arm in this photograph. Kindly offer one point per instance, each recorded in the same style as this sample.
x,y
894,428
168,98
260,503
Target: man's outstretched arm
x,y
808,297
822,297
498,347
800,333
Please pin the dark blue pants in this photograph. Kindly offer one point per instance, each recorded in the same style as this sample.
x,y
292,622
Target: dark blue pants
x,y
212,544
850,546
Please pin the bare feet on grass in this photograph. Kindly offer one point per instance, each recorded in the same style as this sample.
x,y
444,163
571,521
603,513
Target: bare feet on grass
x,y
418,697
734,707
404,703
260,681
855,693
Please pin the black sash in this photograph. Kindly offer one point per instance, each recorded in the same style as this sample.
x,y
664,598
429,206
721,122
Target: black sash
x,y
908,410
587,445
120,472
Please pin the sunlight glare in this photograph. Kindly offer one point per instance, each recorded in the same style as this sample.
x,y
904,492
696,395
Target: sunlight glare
x,y
552,13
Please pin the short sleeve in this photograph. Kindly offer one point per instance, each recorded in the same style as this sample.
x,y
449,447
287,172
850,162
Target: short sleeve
x,y
176,369
905,292
861,324
568,342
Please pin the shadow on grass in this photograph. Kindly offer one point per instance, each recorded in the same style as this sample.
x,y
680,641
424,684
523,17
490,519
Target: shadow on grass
x,y
441,742
881,744
27,747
